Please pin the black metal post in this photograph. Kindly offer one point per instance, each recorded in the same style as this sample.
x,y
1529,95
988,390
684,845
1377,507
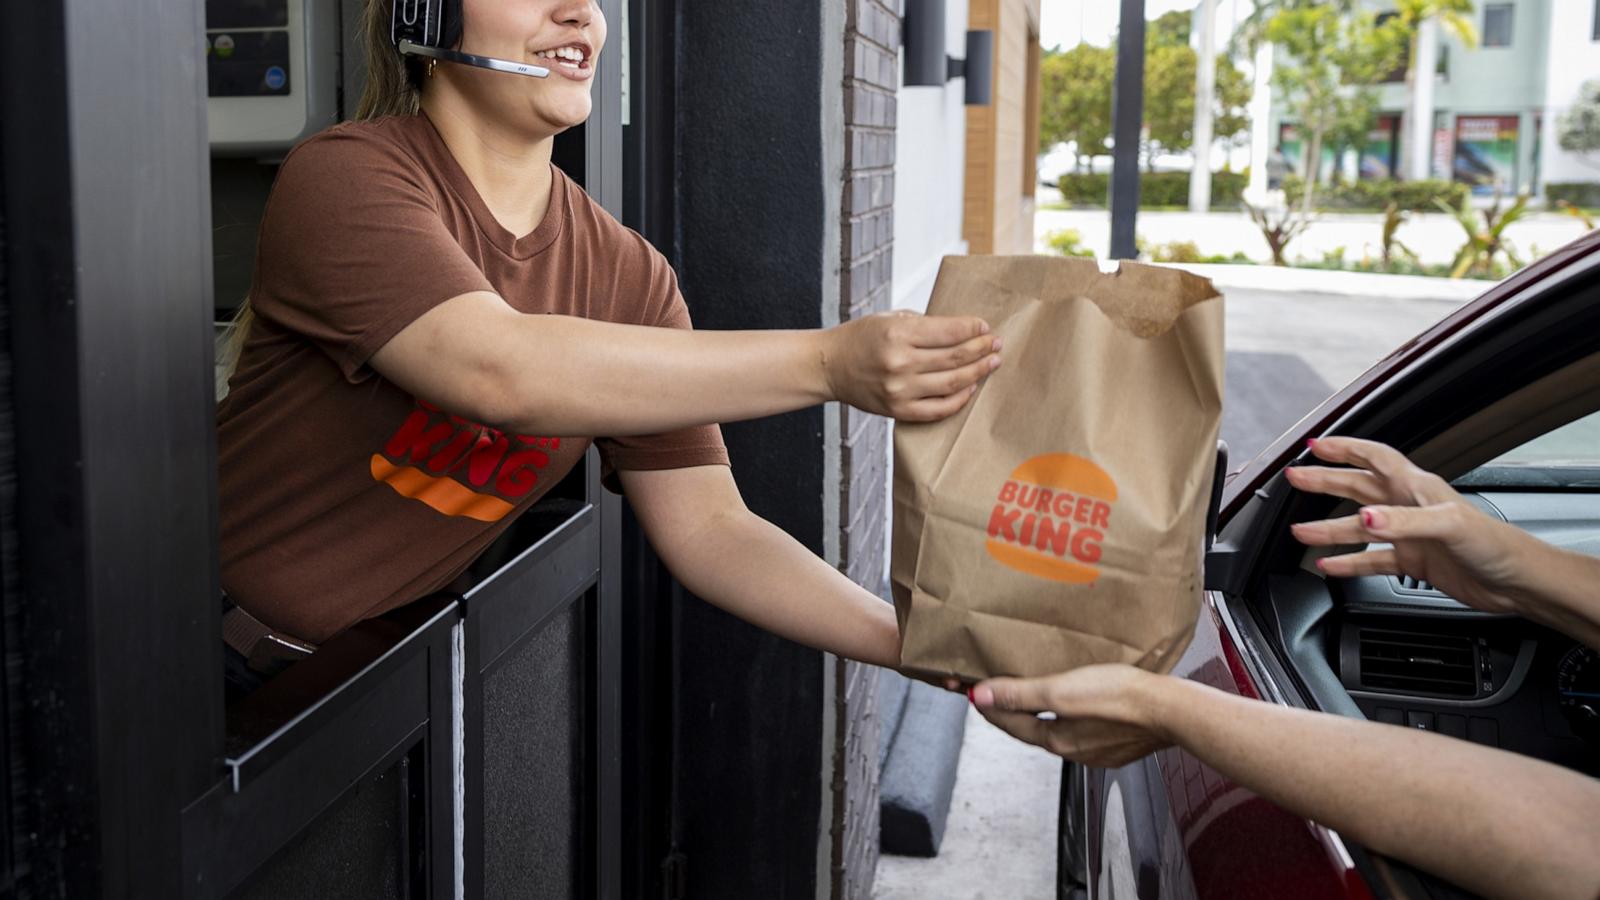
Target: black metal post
x,y
1127,114
112,497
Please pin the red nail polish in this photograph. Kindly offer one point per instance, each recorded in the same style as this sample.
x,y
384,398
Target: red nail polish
x,y
1366,517
1311,443
971,699
1321,567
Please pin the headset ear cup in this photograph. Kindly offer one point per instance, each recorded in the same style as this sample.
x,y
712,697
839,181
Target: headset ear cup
x,y
451,18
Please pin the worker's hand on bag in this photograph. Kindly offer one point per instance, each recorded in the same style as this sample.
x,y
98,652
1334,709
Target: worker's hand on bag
x,y
1436,535
1104,715
911,367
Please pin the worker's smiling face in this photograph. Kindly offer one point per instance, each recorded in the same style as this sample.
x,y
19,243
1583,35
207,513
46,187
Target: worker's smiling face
x,y
564,36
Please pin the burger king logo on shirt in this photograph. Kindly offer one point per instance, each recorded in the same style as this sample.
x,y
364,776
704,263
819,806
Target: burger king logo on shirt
x,y
1051,517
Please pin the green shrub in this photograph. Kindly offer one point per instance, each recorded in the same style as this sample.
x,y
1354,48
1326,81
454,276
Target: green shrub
x,y
1584,194
1176,252
1187,252
1377,195
1084,188
1155,189
1067,242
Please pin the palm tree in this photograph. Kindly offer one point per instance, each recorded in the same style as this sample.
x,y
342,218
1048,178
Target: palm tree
x,y
1414,18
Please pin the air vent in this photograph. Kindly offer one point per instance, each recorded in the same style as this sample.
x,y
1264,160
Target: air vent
x,y
1416,585
1412,663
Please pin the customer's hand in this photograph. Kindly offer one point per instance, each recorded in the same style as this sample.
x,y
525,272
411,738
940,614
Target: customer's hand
x,y
1436,534
911,367
1105,715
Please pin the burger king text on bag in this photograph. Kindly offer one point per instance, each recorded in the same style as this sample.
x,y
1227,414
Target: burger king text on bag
x,y
1057,520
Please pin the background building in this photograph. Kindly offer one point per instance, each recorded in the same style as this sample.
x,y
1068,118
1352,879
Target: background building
x,y
1495,106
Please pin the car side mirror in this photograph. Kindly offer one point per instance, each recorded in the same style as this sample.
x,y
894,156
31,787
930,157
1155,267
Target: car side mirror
x,y
1214,510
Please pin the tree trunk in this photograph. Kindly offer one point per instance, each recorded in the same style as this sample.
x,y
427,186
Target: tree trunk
x,y
1406,112
1313,148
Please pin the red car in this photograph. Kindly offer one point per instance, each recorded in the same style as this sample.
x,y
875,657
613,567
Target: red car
x,y
1503,399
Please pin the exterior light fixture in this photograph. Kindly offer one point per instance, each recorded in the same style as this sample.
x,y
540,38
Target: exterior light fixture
x,y
927,63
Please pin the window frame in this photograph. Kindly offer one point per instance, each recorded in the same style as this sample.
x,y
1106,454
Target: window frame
x,y
1030,130
1510,11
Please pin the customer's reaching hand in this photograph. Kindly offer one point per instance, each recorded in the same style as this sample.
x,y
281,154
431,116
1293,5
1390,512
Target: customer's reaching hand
x,y
1104,714
1437,536
909,367
1496,823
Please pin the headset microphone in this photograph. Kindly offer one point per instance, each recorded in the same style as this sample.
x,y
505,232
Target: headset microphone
x,y
429,28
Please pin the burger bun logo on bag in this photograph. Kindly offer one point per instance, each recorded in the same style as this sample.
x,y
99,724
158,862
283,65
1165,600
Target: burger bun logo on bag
x,y
1051,518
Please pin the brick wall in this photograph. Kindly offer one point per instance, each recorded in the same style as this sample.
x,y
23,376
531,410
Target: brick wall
x,y
871,77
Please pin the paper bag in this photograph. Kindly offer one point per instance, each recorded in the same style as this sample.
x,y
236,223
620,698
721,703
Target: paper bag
x,y
1057,520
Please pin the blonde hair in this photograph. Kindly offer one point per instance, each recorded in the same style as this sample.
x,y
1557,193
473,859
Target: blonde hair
x,y
393,88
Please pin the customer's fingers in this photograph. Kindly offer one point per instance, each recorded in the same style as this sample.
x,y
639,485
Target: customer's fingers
x,y
1371,455
1351,484
1017,694
943,331
962,354
1441,521
1331,532
1367,562
1022,726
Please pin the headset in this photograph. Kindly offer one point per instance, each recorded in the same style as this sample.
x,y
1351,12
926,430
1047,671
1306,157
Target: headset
x,y
431,27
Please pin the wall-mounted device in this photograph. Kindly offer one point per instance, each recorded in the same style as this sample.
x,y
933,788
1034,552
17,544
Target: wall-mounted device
x,y
272,73
927,63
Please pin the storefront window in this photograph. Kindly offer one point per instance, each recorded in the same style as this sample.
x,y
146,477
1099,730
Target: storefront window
x,y
1486,153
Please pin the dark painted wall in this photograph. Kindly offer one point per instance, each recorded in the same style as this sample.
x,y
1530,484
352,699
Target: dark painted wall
x,y
751,207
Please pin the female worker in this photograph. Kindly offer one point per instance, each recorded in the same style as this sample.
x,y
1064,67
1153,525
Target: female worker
x,y
441,322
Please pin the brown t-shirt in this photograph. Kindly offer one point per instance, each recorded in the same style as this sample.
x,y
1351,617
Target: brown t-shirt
x,y
343,496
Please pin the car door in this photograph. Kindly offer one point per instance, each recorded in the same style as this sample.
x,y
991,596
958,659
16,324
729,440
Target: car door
x,y
1168,826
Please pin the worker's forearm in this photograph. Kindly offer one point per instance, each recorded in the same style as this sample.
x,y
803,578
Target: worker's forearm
x,y
1495,822
573,376
751,568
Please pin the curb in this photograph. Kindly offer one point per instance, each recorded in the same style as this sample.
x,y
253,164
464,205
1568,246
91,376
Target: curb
x,y
1339,284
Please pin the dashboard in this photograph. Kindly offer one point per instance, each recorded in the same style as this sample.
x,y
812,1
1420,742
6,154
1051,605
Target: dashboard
x,y
1409,655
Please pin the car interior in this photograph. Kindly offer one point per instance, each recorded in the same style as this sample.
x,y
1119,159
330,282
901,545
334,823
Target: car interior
x,y
1396,650
1510,414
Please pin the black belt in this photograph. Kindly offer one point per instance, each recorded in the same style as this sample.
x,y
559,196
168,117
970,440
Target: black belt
x,y
266,650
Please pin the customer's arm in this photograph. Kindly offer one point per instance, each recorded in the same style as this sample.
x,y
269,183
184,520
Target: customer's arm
x,y
562,375
1493,822
736,560
1436,535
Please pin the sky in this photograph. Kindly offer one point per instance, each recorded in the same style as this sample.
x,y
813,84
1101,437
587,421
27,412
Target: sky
x,y
1064,23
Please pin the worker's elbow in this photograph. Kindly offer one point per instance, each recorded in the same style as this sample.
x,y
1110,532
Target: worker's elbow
x,y
493,393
